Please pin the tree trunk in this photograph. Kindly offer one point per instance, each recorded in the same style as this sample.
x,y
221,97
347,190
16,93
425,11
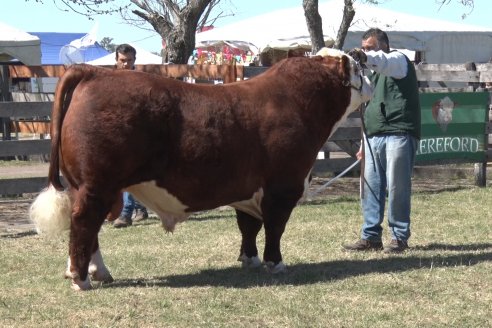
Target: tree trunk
x,y
177,26
314,24
348,16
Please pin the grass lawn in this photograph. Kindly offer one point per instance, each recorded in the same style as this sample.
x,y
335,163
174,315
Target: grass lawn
x,y
191,278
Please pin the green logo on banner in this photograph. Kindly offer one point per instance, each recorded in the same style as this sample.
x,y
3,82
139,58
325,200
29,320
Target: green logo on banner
x,y
453,126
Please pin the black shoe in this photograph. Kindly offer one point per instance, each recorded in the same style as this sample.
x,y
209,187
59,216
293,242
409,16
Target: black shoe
x,y
364,245
396,246
122,222
140,215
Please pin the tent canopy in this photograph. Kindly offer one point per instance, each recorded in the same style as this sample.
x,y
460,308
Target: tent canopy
x,y
53,42
143,57
440,41
17,44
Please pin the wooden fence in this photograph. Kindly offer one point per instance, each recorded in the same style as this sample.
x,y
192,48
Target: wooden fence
x,y
30,111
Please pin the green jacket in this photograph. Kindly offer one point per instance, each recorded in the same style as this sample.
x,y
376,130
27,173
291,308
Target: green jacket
x,y
395,106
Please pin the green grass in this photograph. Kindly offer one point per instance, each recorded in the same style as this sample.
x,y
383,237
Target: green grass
x,y
191,278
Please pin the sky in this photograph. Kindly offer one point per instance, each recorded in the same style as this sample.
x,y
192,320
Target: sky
x,y
33,16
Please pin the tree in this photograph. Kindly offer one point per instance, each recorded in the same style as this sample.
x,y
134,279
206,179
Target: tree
x,y
466,3
314,22
176,21
348,16
107,43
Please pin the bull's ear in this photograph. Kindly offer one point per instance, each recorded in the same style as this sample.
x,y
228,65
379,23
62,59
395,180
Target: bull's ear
x,y
340,63
333,63
345,68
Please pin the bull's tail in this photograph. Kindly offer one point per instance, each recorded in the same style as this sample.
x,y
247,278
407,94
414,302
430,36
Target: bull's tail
x,y
63,95
51,210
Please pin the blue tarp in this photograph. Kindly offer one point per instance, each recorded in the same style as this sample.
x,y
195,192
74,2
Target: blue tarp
x,y
53,42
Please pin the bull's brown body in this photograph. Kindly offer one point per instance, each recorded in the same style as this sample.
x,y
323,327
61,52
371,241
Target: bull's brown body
x,y
205,145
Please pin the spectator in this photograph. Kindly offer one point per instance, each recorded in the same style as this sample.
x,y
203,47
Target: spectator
x,y
125,59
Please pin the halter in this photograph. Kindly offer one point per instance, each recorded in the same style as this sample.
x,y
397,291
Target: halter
x,y
361,76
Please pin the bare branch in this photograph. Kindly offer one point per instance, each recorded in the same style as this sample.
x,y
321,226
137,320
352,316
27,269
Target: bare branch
x,y
348,16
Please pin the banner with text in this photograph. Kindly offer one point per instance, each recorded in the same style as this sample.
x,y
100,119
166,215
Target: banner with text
x,y
453,126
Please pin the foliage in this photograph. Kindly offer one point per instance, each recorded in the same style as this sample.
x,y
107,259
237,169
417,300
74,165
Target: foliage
x,y
176,21
190,278
470,4
107,43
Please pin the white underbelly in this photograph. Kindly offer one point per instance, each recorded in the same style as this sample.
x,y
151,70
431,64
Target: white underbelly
x,y
171,210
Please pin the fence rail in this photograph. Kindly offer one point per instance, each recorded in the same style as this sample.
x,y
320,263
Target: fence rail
x,y
344,140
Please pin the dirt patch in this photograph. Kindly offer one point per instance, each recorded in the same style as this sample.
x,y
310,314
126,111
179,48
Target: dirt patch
x,y
14,217
14,220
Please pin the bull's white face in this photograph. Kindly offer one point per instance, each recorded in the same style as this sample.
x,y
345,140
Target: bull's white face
x,y
361,88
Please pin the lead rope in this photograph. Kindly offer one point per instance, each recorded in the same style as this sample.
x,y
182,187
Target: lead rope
x,y
324,186
363,181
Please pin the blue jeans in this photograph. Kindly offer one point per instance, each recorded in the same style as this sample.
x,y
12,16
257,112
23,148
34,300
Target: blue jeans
x,y
129,205
390,170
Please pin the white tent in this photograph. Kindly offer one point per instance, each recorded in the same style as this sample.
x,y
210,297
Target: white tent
x,y
439,41
17,44
143,57
287,27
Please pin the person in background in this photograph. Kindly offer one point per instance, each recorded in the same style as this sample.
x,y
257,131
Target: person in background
x,y
125,59
392,131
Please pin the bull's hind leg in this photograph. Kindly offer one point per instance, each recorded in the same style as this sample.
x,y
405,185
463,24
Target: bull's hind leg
x,y
249,227
97,269
88,214
276,209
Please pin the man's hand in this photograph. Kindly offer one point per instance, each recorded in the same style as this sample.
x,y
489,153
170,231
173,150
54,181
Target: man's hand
x,y
360,153
358,55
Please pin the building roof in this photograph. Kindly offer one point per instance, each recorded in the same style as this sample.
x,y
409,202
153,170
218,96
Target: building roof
x,y
17,45
53,42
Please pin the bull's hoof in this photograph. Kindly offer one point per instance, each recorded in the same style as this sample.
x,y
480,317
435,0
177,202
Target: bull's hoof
x,y
81,285
280,267
100,273
101,276
249,262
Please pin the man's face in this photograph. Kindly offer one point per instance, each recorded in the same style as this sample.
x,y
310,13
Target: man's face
x,y
125,61
371,43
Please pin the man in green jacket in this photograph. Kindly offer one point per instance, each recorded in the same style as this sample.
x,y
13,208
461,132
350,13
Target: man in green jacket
x,y
392,130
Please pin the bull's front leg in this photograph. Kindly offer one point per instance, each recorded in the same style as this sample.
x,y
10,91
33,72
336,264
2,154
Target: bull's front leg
x,y
249,227
276,209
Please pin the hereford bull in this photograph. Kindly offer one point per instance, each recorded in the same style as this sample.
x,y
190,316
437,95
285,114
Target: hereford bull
x,y
180,148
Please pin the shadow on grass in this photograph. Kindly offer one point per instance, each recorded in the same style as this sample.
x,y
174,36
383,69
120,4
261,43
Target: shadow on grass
x,y
435,191
213,215
19,234
199,216
333,200
458,248
309,273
